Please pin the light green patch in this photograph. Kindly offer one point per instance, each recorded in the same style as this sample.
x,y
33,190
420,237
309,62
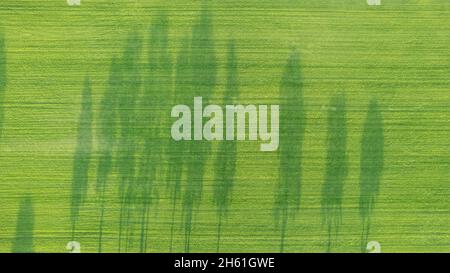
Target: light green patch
x,y
395,54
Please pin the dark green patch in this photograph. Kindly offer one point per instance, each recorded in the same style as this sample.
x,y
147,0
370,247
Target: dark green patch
x,y
82,155
23,241
130,86
372,160
157,92
2,79
106,139
225,165
336,169
203,65
292,129
176,151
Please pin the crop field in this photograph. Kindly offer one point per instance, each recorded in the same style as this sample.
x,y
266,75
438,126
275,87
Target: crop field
x,y
88,160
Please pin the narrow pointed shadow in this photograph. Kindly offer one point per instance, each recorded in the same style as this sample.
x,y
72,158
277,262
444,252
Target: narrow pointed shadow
x,y
157,92
106,140
2,79
177,150
204,70
130,87
23,241
336,169
371,164
292,124
82,155
225,164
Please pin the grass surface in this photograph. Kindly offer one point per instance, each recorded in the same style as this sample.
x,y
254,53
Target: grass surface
x,y
350,56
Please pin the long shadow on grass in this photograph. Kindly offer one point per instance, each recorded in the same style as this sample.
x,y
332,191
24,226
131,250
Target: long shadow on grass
x,y
204,69
157,92
225,164
106,139
23,241
292,124
372,158
336,169
2,79
177,150
130,85
82,155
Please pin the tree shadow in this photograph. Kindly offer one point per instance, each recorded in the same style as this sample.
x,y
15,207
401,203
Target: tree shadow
x,y
225,164
2,79
371,167
203,80
82,155
292,124
177,150
129,91
106,136
157,93
336,169
23,240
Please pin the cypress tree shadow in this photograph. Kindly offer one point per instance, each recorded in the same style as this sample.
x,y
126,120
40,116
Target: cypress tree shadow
x,y
23,241
157,91
130,85
225,164
177,150
204,69
336,168
82,155
371,164
106,140
292,124
2,79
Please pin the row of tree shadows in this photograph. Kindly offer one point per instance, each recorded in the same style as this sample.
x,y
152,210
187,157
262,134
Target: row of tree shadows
x,y
136,155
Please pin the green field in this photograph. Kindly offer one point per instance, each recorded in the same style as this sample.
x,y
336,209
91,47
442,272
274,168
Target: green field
x,y
86,93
